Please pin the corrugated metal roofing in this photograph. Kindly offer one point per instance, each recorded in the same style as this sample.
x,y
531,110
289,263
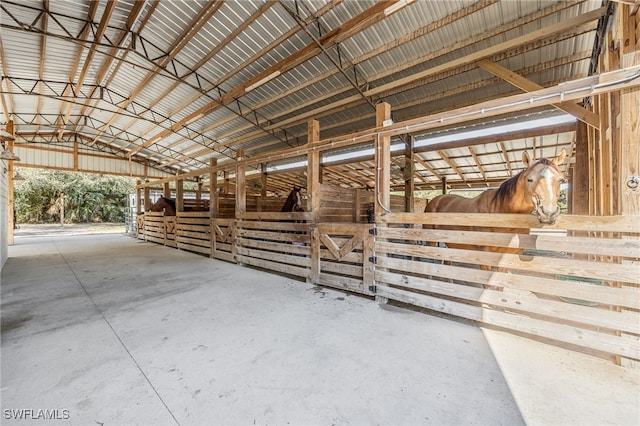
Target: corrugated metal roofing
x,y
180,82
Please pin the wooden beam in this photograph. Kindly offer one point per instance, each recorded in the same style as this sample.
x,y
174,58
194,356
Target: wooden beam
x,y
313,170
241,185
382,192
407,173
577,111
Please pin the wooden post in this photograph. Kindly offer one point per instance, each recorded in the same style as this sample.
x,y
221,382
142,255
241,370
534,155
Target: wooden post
x,y
241,187
313,201
226,184
263,180
628,43
213,190
139,198
11,201
382,188
166,190
580,178
213,204
382,193
179,196
147,197
444,184
408,172
199,192
313,171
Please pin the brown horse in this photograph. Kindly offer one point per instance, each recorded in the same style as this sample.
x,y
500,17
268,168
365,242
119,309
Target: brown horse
x,y
294,201
534,190
164,204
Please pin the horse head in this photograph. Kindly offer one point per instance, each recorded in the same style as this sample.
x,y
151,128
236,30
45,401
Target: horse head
x,y
542,179
164,204
294,201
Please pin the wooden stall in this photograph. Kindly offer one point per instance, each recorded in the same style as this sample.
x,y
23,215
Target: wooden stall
x,y
575,283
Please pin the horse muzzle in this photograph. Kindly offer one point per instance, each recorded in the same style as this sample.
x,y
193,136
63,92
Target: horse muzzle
x,y
547,218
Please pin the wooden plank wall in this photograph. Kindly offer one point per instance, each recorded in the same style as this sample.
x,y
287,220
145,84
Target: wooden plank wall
x,y
568,282
154,229
193,232
575,283
275,241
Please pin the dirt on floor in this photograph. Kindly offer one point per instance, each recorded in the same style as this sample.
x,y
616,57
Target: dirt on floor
x,y
49,229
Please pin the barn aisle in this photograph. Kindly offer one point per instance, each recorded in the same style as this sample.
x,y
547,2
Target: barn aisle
x,y
106,329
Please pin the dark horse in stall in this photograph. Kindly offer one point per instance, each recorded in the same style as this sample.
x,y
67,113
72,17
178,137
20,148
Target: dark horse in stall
x,y
294,201
534,190
164,204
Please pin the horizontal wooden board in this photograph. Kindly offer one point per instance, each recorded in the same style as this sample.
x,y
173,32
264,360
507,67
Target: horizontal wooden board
x,y
343,283
624,345
569,244
624,224
341,268
194,248
275,226
628,297
625,272
274,266
221,255
274,236
555,310
194,241
191,234
279,247
275,216
302,261
154,239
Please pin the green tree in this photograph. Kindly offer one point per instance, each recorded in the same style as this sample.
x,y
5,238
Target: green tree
x,y
88,197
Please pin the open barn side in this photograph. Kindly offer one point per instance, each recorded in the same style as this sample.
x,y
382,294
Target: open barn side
x,y
573,283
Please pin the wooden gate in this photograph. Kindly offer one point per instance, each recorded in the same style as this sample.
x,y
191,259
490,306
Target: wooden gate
x,y
575,282
341,253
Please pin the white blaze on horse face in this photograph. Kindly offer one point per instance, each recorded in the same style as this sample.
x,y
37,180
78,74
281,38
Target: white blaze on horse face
x,y
545,196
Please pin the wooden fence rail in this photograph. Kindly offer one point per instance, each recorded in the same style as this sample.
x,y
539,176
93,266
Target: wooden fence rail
x,y
576,282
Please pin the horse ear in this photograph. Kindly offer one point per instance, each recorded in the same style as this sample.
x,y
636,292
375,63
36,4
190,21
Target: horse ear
x,y
560,158
526,159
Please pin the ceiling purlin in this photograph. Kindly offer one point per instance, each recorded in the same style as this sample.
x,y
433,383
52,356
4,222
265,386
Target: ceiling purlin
x,y
352,26
318,112
181,41
111,57
343,65
245,115
110,97
102,27
8,106
213,52
43,50
397,87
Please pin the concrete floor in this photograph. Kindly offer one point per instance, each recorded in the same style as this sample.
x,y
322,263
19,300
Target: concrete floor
x,y
109,330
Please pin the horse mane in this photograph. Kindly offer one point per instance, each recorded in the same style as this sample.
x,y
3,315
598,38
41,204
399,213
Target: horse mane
x,y
508,188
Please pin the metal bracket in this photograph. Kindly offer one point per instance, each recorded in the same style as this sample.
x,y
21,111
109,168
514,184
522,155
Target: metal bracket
x,y
373,259
373,231
633,182
372,288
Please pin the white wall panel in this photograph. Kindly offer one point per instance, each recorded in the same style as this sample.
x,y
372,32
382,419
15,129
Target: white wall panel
x,y
39,156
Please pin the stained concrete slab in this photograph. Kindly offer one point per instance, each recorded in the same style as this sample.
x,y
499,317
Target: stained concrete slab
x,y
107,329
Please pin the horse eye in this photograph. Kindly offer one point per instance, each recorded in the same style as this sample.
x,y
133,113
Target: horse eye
x,y
529,179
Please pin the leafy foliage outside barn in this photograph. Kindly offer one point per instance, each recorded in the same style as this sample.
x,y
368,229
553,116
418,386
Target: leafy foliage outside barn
x,y
87,197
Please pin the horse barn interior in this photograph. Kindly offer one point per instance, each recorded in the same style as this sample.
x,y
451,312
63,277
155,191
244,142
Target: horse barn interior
x,y
362,304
